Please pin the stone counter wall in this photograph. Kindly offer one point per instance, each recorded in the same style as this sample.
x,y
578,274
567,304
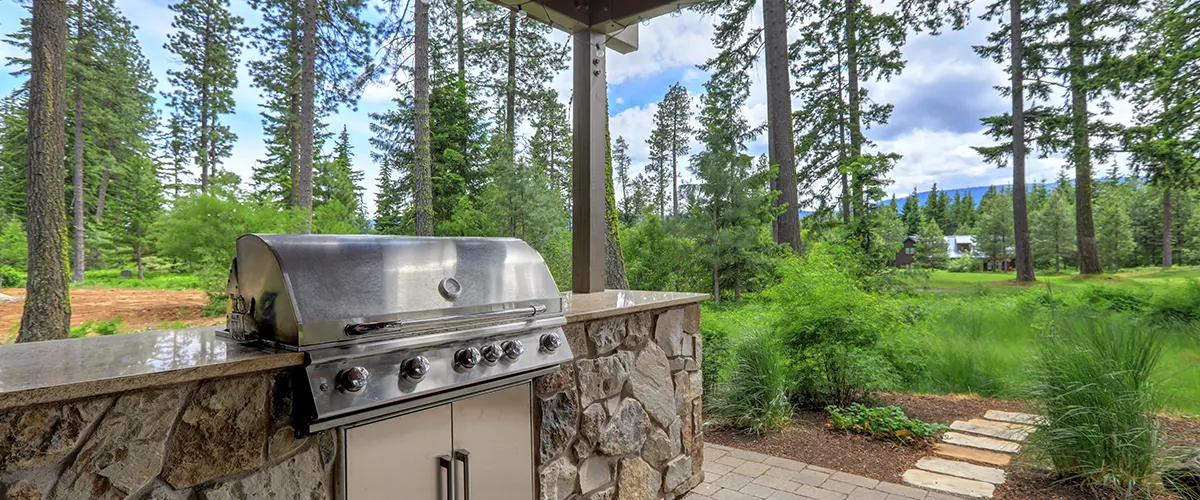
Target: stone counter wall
x,y
218,439
624,420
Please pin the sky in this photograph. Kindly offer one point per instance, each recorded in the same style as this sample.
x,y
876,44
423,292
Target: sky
x,y
939,97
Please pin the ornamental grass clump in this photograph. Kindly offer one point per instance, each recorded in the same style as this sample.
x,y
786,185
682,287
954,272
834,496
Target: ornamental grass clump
x,y
883,422
753,393
1093,384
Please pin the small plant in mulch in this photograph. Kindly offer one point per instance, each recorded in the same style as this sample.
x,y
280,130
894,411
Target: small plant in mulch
x,y
883,422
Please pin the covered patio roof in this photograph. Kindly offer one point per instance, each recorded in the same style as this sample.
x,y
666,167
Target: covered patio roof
x,y
594,25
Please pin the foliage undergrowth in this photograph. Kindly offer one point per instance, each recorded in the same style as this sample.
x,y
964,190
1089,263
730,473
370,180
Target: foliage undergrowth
x,y
154,280
106,327
883,422
1094,384
753,395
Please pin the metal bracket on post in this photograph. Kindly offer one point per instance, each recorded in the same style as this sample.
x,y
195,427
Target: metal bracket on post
x,y
589,151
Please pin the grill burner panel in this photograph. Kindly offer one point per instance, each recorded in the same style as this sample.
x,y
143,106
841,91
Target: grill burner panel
x,y
389,323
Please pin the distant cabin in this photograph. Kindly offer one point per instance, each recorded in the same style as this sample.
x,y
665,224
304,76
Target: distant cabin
x,y
957,247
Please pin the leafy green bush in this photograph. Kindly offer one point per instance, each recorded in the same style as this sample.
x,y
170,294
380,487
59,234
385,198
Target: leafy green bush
x,y
883,422
11,277
82,330
14,250
835,330
753,394
1177,303
1094,387
1113,298
963,265
110,326
111,278
716,332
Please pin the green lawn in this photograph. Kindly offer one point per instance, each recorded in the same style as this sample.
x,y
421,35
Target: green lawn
x,y
111,278
1006,282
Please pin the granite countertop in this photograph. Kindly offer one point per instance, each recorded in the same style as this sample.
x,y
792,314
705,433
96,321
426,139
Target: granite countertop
x,y
60,370
589,306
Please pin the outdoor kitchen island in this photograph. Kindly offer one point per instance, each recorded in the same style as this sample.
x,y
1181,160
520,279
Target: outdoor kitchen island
x,y
185,414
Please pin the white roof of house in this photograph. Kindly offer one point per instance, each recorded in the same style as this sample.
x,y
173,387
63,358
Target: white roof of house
x,y
952,243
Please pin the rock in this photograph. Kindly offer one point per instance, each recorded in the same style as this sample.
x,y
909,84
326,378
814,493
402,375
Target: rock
x,y
674,431
577,339
125,451
594,419
606,334
687,432
282,439
582,449
689,345
690,365
691,318
695,386
658,449
637,481
163,491
638,329
299,477
43,435
560,380
626,431
283,442
651,381
668,332
605,494
221,433
602,377
557,480
559,415
683,386
594,473
1184,477
127,274
327,445
678,472
23,491
699,356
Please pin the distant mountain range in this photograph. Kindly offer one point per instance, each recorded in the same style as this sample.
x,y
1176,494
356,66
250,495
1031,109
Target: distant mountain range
x,y
976,192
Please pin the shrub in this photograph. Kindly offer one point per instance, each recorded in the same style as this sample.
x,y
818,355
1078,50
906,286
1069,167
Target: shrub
x,y
81,330
963,265
753,394
883,422
11,277
1093,386
110,327
1177,303
1113,298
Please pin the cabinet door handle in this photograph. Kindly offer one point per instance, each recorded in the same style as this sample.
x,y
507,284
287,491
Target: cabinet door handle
x,y
447,462
465,456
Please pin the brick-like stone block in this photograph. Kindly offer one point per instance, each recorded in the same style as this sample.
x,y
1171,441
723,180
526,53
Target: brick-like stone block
x,y
558,424
221,433
640,327
668,332
651,384
44,434
626,430
606,334
302,476
557,480
594,473
636,480
691,318
576,334
602,377
560,380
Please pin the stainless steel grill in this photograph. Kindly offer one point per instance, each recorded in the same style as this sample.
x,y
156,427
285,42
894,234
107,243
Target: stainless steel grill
x,y
394,323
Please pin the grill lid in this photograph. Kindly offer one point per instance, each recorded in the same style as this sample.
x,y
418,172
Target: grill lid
x,y
305,290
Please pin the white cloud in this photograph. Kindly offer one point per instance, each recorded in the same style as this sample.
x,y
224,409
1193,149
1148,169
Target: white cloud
x,y
665,42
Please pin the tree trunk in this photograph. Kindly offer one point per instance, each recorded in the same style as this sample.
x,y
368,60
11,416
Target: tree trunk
x,y
47,313
308,61
845,198
102,194
1020,207
853,98
510,90
293,125
716,264
137,255
1166,235
422,176
460,41
782,149
78,264
614,262
1081,153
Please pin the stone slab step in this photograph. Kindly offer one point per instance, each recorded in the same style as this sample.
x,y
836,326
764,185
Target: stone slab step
x,y
1007,425
989,430
1014,417
972,454
961,469
949,484
985,443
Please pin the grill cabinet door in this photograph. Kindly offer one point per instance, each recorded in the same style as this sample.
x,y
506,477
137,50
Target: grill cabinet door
x,y
496,431
399,457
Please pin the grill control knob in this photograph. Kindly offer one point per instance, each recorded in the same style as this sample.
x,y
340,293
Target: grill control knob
x,y
415,368
513,349
551,342
466,359
353,379
491,353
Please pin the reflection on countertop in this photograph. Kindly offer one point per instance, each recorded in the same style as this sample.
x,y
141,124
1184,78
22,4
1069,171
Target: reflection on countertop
x,y
58,370
589,306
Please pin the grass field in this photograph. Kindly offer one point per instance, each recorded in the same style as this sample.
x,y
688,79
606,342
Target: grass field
x,y
111,278
1006,282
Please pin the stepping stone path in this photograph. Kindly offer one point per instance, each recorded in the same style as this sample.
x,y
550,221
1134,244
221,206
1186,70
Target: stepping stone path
x,y
990,440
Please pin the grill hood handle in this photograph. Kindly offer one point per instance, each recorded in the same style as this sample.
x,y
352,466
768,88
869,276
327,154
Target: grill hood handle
x,y
355,329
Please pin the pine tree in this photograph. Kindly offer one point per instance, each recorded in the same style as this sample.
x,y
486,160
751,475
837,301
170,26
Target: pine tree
x,y
936,207
1113,221
1053,234
673,120
422,175
47,313
207,42
994,229
912,213
550,146
137,209
621,164
963,213
174,170
337,191
931,251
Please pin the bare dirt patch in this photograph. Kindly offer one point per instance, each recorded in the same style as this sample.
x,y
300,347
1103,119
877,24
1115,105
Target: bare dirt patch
x,y
138,309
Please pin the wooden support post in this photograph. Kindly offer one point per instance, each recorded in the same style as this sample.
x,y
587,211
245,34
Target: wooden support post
x,y
590,111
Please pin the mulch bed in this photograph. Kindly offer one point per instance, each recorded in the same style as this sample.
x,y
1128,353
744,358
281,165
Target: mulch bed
x,y
808,440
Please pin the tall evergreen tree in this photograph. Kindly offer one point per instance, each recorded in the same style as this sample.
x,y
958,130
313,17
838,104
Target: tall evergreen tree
x,y
912,213
621,164
936,207
550,146
47,313
207,42
1113,221
338,191
1053,231
930,250
994,229
673,119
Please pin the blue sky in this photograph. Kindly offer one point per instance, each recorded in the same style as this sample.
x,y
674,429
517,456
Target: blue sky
x,y
938,99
